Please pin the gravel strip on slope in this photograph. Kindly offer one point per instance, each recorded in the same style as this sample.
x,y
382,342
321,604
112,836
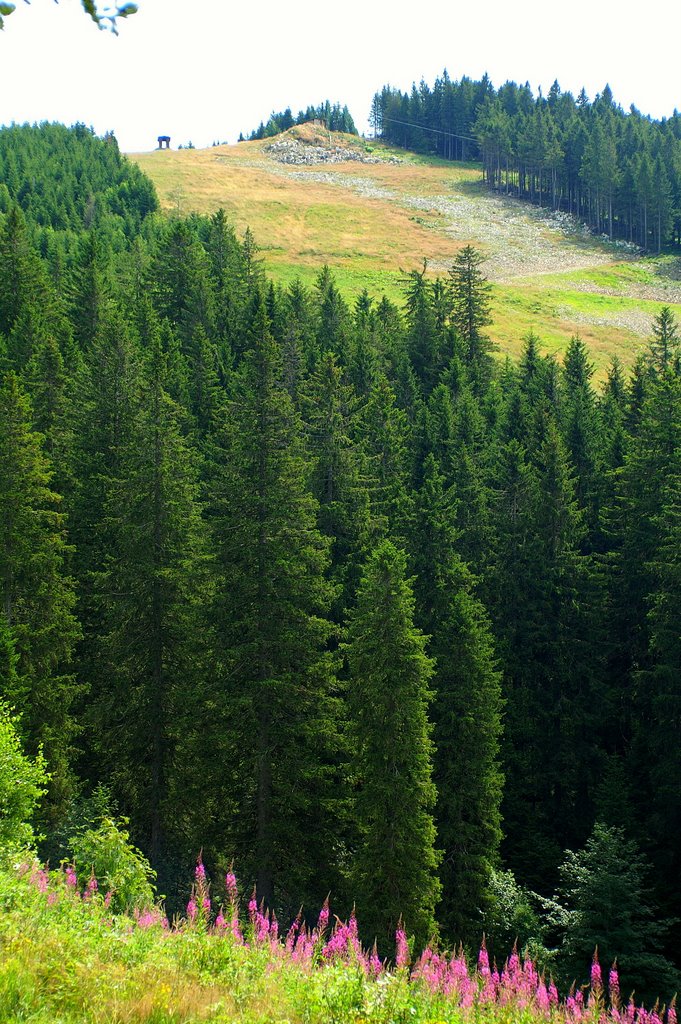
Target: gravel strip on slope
x,y
635,320
518,240
664,292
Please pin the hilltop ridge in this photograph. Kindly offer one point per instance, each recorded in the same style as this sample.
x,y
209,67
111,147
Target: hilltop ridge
x,y
373,212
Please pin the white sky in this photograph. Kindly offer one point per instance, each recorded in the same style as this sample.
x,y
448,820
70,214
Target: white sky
x,y
207,69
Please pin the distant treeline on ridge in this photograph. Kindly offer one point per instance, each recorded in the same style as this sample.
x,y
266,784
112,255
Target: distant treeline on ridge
x,y
335,118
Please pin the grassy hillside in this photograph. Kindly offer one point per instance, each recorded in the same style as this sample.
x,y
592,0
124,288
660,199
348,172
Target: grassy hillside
x,y
371,221
65,957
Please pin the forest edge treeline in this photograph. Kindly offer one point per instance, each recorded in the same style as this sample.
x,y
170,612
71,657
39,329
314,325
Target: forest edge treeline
x,y
619,172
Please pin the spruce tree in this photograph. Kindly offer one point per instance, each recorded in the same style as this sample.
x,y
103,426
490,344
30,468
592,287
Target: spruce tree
x,y
581,427
652,462
276,715
151,593
470,301
338,480
37,593
466,714
385,437
107,401
90,287
542,597
424,340
608,906
23,281
394,869
656,689
181,282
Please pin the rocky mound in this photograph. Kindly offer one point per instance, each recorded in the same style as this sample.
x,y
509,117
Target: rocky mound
x,y
313,144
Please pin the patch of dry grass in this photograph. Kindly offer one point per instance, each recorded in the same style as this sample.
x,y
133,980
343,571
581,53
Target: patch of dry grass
x,y
372,221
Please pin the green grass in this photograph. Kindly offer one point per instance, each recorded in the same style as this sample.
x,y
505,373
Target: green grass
x,y
351,278
65,959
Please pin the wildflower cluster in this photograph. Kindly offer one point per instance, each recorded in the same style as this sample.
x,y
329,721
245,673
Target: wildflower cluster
x,y
449,982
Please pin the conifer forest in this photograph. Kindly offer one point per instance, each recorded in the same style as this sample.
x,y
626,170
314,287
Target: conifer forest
x,y
328,594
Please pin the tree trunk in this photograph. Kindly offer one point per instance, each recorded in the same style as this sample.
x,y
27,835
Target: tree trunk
x,y
157,700
263,828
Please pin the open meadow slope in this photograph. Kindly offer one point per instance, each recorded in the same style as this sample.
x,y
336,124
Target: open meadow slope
x,y
311,197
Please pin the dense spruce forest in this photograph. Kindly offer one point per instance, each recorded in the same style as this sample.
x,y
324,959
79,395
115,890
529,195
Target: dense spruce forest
x,y
333,116
330,592
619,172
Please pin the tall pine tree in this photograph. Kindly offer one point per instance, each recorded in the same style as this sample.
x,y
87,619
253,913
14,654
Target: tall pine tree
x,y
394,870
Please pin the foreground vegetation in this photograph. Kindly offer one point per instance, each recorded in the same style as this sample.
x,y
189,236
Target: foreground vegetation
x,y
65,956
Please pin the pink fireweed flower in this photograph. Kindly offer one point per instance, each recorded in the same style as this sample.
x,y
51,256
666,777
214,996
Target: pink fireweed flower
x,y
274,927
483,960
261,924
231,887
71,877
149,917
553,993
39,879
292,932
529,978
542,997
92,886
456,978
220,921
191,909
252,908
107,899
488,992
432,969
205,905
344,942
614,984
375,963
200,871
304,947
323,920
236,930
596,975
671,1012
402,948
574,1008
513,963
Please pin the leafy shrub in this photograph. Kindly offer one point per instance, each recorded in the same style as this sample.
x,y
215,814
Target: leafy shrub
x,y
513,920
22,784
105,850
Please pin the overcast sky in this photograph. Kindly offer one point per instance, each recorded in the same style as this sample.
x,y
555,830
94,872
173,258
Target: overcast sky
x,y
204,70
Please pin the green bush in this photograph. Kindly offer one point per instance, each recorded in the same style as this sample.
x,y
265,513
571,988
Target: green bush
x,y
606,903
105,850
22,784
511,918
